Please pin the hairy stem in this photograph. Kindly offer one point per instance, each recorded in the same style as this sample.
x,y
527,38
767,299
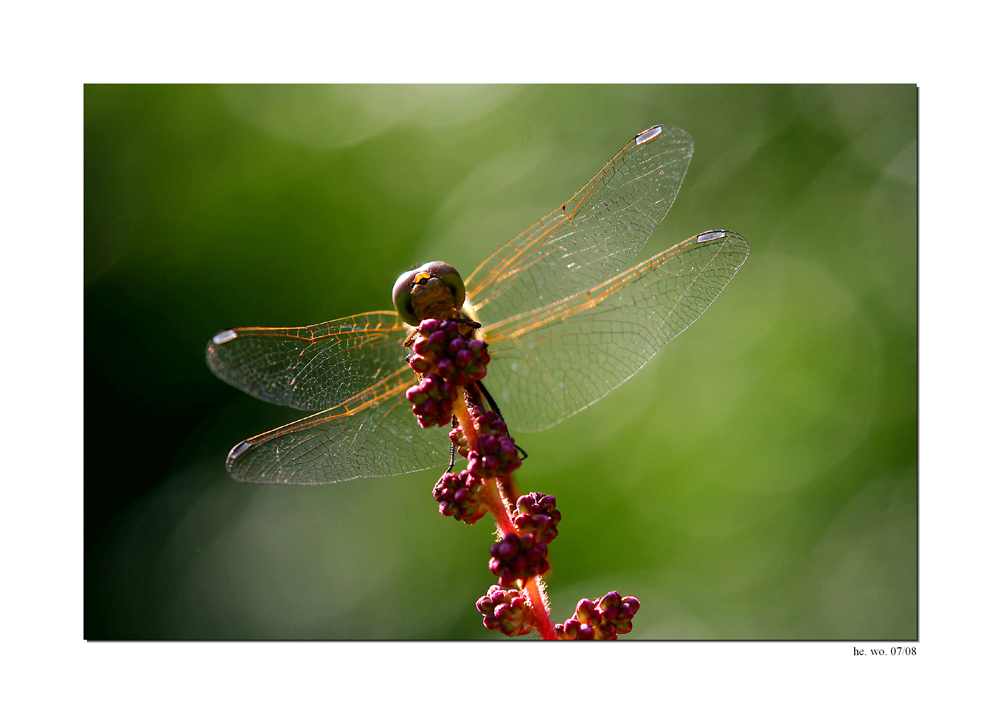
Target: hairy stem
x,y
500,497
540,608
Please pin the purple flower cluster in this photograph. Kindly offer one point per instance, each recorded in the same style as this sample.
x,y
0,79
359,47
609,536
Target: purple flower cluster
x,y
506,611
446,362
440,349
459,496
518,557
495,453
432,401
537,514
603,619
459,441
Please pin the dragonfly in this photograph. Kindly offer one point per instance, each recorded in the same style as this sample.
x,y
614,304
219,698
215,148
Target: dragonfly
x,y
565,317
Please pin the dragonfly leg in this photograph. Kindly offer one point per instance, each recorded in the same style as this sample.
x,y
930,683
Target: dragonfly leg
x,y
495,408
451,465
489,398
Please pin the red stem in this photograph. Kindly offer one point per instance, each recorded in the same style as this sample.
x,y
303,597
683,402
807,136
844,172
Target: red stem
x,y
501,506
540,608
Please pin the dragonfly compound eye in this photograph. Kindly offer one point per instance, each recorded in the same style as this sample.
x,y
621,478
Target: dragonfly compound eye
x,y
402,290
402,299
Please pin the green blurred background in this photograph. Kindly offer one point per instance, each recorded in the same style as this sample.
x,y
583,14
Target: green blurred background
x,y
756,480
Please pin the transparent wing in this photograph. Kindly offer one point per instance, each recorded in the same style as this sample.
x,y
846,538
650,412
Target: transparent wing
x,y
378,439
552,362
592,236
563,332
312,367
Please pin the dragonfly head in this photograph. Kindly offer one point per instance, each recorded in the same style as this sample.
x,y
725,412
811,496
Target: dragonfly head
x,y
432,291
